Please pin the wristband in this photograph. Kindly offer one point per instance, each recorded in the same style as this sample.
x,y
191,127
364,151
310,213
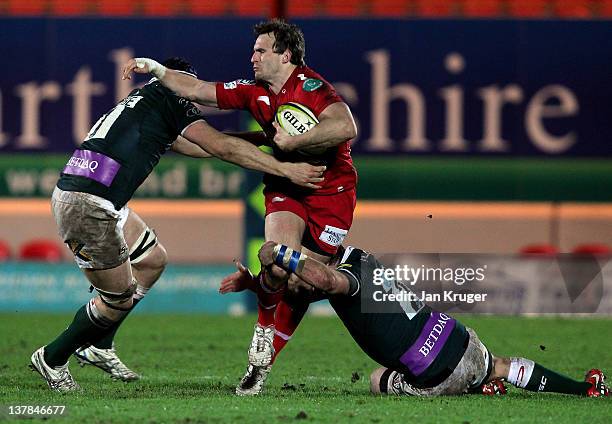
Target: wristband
x,y
289,259
155,68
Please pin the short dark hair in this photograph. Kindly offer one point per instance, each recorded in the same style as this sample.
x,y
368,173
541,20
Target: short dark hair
x,y
180,64
287,36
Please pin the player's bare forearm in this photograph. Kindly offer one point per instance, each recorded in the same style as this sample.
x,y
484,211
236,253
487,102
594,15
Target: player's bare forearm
x,y
336,125
184,85
240,280
196,90
308,269
323,277
257,138
246,155
187,148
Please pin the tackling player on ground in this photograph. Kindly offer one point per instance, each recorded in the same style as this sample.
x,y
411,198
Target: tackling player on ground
x,y
315,221
120,256
422,352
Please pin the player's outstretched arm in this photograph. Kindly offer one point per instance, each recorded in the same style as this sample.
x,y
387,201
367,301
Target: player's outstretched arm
x,y
242,279
234,150
308,269
202,92
187,148
336,125
257,138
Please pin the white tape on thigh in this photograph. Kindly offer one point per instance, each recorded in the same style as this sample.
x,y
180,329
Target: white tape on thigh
x,y
143,246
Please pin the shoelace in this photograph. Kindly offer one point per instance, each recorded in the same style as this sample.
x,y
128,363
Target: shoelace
x,y
120,367
116,365
260,339
65,380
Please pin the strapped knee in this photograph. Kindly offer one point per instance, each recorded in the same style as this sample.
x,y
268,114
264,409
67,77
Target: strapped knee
x,y
115,300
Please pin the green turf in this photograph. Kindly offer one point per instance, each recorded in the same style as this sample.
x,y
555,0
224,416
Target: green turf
x,y
190,365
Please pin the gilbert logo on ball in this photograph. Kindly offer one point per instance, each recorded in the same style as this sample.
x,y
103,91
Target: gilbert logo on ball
x,y
295,118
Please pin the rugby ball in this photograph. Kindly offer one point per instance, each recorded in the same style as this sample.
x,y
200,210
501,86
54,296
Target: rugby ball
x,y
295,118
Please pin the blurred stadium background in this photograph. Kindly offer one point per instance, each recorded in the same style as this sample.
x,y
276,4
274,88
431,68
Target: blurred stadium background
x,y
484,127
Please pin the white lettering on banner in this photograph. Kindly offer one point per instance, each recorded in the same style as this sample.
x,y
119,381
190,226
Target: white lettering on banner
x,y
550,103
29,182
214,183
538,109
493,98
32,95
82,89
168,183
333,235
382,95
453,96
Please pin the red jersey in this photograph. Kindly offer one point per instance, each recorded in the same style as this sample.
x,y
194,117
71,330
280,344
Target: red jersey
x,y
305,87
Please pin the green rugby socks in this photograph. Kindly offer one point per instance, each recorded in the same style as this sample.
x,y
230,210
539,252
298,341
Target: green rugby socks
x,y
88,325
528,375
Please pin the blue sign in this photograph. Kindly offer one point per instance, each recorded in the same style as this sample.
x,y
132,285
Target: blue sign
x,y
509,88
26,286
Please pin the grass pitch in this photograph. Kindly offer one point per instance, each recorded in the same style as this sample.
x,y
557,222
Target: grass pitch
x,y
191,364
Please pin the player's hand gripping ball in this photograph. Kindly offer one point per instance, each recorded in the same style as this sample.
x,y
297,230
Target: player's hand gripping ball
x,y
297,119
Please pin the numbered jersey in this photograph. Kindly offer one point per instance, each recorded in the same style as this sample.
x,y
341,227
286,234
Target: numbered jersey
x,y
131,137
387,331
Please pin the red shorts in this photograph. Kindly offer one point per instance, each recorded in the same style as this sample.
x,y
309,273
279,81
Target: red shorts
x,y
328,218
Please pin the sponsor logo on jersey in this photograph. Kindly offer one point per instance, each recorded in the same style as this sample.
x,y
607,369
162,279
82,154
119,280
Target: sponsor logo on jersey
x,y
230,85
435,335
264,99
92,165
245,82
333,235
277,199
302,77
311,84
193,111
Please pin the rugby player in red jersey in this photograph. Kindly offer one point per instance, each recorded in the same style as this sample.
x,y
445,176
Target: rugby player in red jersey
x,y
313,221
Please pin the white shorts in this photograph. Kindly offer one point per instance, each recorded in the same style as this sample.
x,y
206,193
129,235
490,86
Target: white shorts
x,y
91,227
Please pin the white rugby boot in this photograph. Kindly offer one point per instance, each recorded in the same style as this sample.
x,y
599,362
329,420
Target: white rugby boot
x,y
253,381
58,378
107,360
261,350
